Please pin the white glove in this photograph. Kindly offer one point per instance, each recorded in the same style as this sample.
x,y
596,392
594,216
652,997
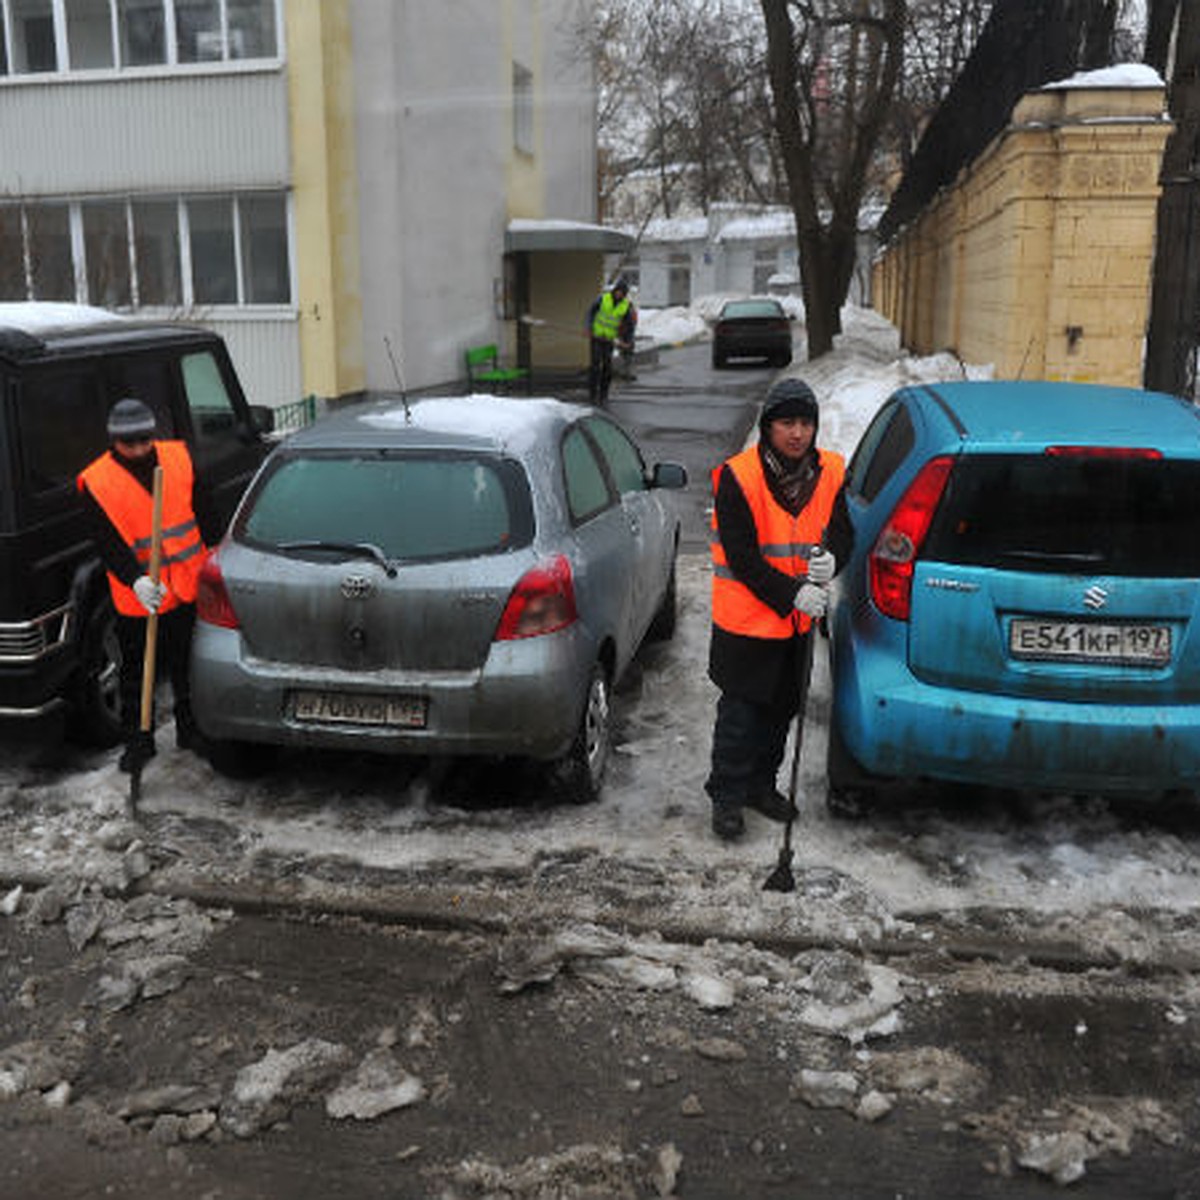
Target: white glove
x,y
150,594
822,566
812,601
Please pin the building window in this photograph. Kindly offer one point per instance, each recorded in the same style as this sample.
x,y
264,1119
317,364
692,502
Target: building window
x,y
522,81
107,34
766,264
13,285
48,240
156,253
151,252
213,254
32,24
89,34
263,221
106,249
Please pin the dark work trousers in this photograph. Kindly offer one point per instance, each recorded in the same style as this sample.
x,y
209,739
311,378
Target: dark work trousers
x,y
600,370
749,740
174,642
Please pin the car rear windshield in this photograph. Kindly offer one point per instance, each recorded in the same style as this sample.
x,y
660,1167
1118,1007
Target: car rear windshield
x,y
410,507
742,309
1089,515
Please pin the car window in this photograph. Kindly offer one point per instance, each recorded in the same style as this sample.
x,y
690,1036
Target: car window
x,y
1041,512
62,424
213,415
622,457
427,507
587,489
883,447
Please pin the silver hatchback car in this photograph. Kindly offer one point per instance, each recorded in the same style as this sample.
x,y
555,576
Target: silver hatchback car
x,y
452,576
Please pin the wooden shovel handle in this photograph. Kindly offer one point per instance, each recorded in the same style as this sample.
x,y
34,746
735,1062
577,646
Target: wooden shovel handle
x,y
152,620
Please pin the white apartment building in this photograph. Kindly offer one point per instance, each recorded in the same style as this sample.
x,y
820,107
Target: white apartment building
x,y
351,191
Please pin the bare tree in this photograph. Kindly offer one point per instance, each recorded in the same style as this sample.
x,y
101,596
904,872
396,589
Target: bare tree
x,y
1174,328
833,72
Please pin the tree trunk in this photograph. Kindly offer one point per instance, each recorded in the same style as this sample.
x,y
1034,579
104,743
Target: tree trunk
x,y
1174,330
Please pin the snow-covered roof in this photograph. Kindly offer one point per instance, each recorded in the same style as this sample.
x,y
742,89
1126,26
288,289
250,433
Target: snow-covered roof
x,y
676,229
1123,75
777,223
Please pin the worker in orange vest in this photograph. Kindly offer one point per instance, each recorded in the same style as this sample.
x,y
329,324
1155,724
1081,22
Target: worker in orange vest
x,y
780,532
117,490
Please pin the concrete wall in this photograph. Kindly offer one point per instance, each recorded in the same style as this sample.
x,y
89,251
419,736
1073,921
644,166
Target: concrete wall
x,y
1038,260
439,176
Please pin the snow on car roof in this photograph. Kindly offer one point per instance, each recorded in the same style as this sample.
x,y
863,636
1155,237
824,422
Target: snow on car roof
x,y
508,421
37,317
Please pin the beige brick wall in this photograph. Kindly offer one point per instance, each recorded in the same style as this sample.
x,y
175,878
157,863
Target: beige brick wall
x,y
1038,259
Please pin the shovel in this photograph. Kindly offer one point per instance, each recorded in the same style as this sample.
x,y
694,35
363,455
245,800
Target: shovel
x,y
781,879
151,650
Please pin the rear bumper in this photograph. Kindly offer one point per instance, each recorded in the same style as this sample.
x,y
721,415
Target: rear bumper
x,y
901,728
526,700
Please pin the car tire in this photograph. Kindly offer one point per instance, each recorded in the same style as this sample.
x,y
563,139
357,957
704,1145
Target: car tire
x,y
579,774
95,718
240,760
718,361
850,793
662,627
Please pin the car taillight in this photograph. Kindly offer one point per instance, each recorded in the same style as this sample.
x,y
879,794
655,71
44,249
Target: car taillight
x,y
542,602
899,542
213,605
1103,452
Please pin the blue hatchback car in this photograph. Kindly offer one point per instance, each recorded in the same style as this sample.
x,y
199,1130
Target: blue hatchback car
x,y
1022,608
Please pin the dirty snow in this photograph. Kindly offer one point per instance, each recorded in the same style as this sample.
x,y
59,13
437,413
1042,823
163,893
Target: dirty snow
x,y
1112,880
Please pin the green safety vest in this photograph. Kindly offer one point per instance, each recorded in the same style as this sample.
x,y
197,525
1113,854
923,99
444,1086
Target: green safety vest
x,y
607,322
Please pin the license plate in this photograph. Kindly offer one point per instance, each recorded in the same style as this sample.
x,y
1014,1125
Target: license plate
x,y
1087,641
353,708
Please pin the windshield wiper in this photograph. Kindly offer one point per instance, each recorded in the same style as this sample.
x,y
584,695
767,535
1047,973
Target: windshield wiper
x,y
366,550
1053,556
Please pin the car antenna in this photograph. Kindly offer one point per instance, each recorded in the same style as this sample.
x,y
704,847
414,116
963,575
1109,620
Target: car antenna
x,y
387,341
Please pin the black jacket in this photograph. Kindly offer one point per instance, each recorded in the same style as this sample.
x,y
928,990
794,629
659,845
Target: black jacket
x,y
763,670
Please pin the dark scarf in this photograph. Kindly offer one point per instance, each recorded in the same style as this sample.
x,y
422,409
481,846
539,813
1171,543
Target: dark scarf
x,y
792,480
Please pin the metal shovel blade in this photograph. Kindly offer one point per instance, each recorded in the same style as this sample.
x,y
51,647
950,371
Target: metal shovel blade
x,y
781,879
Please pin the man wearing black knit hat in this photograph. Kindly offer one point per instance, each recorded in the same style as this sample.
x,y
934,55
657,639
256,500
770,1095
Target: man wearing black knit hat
x,y
780,531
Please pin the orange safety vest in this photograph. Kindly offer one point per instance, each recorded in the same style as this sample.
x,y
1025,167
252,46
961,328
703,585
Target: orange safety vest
x,y
786,542
131,510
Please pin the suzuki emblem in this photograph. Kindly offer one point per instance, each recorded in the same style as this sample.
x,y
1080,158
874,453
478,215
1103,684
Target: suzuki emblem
x,y
357,587
1095,596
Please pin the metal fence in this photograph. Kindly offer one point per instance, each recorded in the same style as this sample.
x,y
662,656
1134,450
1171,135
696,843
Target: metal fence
x,y
290,417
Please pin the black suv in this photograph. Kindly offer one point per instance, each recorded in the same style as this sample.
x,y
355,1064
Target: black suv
x,y
62,367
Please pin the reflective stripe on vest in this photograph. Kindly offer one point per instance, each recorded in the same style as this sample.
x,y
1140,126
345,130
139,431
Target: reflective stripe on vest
x,y
130,508
609,314
786,542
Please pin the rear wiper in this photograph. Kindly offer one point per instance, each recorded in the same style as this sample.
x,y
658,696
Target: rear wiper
x,y
353,549
1052,556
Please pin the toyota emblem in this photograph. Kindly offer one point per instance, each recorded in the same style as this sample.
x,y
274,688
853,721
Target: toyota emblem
x,y
357,587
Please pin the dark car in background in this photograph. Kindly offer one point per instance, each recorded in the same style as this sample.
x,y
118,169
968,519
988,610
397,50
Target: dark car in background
x,y
756,328
62,367
1022,607
455,576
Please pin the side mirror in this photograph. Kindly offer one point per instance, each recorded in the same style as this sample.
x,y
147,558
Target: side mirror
x,y
262,419
668,475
